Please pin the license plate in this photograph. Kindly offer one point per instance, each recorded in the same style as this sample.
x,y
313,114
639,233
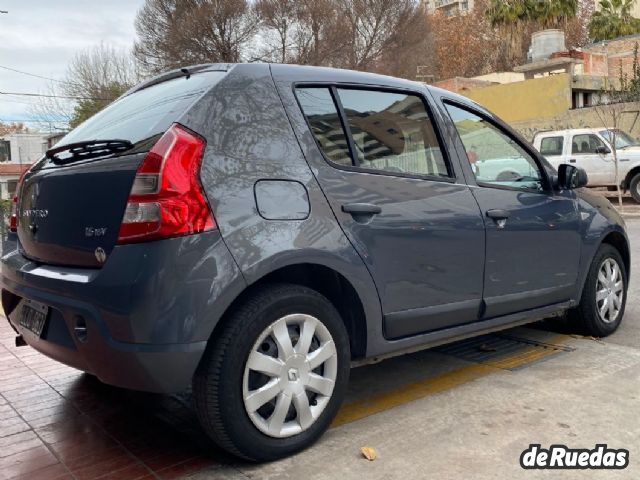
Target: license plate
x,y
34,316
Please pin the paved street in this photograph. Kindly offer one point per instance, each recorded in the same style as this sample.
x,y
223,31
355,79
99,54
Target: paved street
x,y
461,411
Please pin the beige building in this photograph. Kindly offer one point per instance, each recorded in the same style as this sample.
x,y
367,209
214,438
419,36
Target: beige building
x,y
449,7
557,91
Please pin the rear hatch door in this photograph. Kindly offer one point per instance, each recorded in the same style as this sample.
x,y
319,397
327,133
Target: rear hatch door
x,y
71,203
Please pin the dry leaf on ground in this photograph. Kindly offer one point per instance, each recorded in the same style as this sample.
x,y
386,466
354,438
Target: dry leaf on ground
x,y
369,453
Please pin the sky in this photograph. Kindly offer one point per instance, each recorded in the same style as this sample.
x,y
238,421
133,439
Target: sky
x,y
42,36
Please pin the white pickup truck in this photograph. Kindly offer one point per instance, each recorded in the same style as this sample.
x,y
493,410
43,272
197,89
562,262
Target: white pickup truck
x,y
590,148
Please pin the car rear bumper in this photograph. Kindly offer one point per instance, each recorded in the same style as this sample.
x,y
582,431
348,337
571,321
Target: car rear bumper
x,y
148,313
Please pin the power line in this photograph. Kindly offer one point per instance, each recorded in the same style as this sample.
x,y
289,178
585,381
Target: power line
x,y
68,97
36,76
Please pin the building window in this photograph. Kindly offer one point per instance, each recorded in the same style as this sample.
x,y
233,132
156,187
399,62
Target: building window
x,y
12,186
582,99
5,151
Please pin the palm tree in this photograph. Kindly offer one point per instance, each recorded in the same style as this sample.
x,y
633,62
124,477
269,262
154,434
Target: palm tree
x,y
613,20
553,13
509,16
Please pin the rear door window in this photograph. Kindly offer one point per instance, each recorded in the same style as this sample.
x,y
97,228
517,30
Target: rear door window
x,y
551,146
392,132
146,112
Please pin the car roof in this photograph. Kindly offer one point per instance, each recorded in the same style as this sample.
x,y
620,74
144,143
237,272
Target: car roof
x,y
323,74
311,74
306,73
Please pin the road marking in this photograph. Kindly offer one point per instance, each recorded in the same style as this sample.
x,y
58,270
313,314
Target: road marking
x,y
351,412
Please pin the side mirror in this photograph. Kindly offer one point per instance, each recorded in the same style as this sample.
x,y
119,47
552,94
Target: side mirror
x,y
602,150
570,177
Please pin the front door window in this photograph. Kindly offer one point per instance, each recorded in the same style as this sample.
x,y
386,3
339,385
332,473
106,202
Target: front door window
x,y
496,159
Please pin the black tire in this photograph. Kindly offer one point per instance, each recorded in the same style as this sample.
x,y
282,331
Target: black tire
x,y
634,187
218,382
586,317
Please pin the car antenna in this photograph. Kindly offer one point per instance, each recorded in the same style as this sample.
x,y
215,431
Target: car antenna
x,y
186,73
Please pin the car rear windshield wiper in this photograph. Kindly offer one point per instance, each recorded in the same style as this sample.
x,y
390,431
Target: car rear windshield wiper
x,y
73,152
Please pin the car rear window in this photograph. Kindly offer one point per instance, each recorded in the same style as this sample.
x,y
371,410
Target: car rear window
x,y
551,146
146,112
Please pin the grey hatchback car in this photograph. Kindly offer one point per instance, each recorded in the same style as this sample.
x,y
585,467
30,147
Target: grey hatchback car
x,y
254,230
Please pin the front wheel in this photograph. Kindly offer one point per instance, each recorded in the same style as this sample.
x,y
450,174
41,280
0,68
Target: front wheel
x,y
634,187
273,379
604,296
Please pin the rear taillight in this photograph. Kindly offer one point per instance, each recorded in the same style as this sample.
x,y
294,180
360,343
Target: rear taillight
x,y
13,219
166,199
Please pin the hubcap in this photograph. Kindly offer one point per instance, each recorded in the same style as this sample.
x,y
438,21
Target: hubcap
x,y
289,375
609,290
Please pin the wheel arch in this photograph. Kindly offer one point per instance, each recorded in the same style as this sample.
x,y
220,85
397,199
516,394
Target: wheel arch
x,y
626,184
614,237
325,280
619,242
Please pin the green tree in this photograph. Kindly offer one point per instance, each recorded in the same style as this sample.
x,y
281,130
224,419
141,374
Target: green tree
x,y
509,17
553,13
613,20
512,16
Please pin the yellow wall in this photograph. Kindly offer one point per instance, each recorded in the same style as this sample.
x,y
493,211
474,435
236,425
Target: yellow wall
x,y
590,117
545,97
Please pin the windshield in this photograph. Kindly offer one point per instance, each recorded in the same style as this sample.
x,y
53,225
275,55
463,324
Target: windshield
x,y
146,112
623,139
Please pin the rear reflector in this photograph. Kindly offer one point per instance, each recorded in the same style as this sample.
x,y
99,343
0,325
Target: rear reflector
x,y
166,199
13,219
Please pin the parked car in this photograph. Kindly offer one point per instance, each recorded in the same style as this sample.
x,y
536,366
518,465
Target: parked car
x,y
591,149
253,230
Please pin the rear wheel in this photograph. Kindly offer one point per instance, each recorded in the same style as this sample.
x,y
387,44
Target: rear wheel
x,y
273,379
604,296
634,187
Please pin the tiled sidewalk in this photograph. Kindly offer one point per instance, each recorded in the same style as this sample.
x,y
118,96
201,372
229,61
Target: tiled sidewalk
x,y
58,423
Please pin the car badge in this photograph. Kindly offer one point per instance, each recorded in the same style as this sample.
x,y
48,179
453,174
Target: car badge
x,y
100,254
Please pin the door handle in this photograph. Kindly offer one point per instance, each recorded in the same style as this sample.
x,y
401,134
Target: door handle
x,y
361,209
499,217
498,214
572,160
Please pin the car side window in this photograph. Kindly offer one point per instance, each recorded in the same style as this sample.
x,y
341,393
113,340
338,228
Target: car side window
x,y
323,117
585,144
496,159
550,146
392,132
